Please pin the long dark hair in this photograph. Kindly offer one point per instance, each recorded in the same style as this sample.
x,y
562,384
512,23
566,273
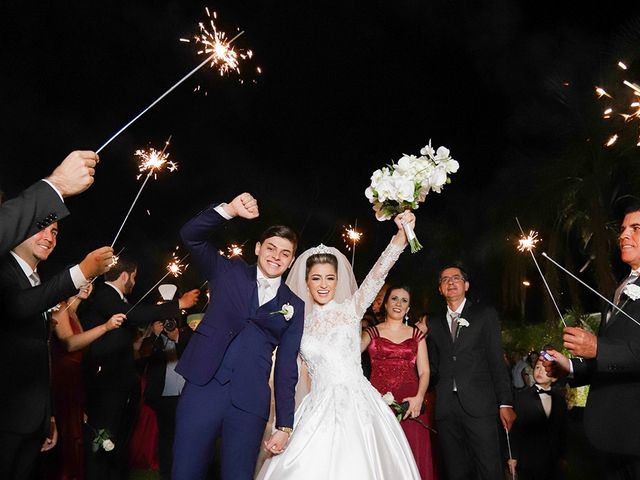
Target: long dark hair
x,y
387,294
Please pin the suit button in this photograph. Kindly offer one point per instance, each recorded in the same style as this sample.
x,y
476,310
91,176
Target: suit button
x,y
454,358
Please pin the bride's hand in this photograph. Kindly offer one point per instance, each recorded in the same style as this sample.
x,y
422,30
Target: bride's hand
x,y
244,205
415,405
406,217
276,442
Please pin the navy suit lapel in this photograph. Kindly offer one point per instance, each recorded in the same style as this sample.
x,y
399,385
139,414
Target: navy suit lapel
x,y
254,302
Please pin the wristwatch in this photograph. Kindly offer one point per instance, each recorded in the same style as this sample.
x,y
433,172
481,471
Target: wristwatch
x,y
286,430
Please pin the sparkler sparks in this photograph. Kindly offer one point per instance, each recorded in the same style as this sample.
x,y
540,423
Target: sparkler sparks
x,y
214,43
351,236
233,250
528,243
175,268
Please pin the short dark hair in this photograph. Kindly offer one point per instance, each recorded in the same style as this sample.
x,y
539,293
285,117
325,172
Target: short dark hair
x,y
463,271
124,265
281,231
387,294
631,207
318,258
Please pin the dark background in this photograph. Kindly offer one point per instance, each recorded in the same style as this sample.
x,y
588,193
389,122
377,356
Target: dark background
x,y
346,88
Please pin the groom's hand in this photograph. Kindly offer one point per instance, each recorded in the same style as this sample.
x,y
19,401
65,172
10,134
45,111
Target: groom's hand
x,y
244,205
276,443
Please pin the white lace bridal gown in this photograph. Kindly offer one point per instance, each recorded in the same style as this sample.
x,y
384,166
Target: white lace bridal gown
x,y
343,429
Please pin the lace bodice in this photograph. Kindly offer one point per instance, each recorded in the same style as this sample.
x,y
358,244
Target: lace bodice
x,y
330,344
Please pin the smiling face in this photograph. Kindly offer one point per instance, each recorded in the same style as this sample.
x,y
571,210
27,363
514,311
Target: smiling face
x,y
629,240
37,248
275,255
321,281
397,304
453,285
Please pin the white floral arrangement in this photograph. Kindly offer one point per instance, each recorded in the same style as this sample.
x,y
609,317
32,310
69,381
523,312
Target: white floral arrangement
x,y
287,311
462,322
632,291
404,185
102,439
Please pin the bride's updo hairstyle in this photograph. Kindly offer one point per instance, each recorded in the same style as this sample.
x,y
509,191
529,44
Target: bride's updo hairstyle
x,y
319,258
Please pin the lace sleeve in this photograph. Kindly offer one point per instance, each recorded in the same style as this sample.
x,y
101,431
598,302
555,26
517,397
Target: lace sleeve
x,y
366,294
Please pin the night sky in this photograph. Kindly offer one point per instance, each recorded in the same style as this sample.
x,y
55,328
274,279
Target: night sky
x,y
345,89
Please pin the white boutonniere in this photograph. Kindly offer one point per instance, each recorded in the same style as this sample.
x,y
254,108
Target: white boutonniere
x,y
287,311
462,322
632,291
102,439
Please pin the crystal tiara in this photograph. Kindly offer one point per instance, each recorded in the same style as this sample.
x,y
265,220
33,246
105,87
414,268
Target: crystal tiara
x,y
322,248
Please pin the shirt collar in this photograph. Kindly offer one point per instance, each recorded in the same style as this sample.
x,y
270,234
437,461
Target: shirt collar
x,y
26,268
116,289
459,309
273,282
542,388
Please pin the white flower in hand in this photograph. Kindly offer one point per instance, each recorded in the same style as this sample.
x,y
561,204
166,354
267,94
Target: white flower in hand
x,y
108,445
632,291
388,398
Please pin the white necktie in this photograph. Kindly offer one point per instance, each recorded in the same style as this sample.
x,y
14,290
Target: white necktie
x,y
454,316
264,289
35,278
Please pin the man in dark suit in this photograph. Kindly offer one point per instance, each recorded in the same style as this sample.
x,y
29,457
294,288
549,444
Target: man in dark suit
x,y
163,385
228,360
27,423
42,204
539,433
109,367
610,363
472,384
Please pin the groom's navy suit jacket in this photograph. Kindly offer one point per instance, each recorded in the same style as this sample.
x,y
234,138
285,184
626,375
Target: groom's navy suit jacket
x,y
235,340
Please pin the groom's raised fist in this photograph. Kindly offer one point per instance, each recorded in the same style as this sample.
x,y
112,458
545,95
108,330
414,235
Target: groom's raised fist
x,y
244,205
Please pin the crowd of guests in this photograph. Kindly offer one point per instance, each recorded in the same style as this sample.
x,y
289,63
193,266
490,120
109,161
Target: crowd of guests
x,y
94,376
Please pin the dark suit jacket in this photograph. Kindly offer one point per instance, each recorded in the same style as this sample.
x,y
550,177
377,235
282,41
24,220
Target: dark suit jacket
x,y
156,363
475,360
108,362
612,413
34,209
537,442
26,400
235,340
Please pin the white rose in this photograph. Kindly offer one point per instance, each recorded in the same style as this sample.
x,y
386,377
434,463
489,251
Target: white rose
x,y
388,398
287,311
108,445
632,291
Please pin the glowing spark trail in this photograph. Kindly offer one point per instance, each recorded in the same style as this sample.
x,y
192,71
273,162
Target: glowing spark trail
x,y
351,237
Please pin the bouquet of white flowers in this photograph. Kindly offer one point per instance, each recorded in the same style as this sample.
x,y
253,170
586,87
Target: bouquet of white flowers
x,y
404,185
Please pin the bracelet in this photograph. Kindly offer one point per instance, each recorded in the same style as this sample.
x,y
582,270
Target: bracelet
x,y
286,430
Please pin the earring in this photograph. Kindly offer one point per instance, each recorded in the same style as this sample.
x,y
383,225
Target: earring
x,y
406,319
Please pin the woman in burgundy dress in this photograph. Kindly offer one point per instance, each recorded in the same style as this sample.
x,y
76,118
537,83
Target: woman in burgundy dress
x,y
400,365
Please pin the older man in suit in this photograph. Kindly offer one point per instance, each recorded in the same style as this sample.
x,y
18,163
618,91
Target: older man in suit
x,y
42,204
228,360
27,424
610,363
472,383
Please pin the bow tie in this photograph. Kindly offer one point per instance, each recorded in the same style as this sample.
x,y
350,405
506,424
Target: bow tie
x,y
541,391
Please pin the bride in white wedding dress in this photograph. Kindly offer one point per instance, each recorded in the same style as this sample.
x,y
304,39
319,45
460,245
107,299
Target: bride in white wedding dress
x,y
343,430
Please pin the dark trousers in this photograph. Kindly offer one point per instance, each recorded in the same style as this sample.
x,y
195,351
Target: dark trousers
x,y
165,408
470,446
18,454
621,467
204,414
111,410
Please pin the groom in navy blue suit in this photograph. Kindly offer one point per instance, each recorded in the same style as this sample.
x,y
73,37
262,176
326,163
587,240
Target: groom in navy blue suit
x,y
228,360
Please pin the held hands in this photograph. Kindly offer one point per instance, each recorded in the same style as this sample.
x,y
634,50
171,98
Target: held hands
x,y
188,299
97,262
406,217
244,205
276,442
75,174
115,321
580,342
415,404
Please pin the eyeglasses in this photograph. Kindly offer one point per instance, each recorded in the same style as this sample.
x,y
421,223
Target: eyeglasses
x,y
453,278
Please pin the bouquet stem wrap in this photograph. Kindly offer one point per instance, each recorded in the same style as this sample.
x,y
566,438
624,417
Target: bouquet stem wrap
x,y
411,238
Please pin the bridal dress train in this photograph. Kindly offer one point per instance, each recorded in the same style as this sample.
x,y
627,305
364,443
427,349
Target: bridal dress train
x,y
343,430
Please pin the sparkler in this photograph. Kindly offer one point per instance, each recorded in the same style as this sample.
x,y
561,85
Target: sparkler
x,y
233,250
222,56
175,267
152,161
527,243
590,288
509,448
351,237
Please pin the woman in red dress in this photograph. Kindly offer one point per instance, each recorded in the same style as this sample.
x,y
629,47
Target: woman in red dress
x,y
400,365
66,379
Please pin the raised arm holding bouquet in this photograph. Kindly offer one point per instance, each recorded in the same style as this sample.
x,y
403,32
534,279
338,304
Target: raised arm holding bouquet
x,y
404,185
